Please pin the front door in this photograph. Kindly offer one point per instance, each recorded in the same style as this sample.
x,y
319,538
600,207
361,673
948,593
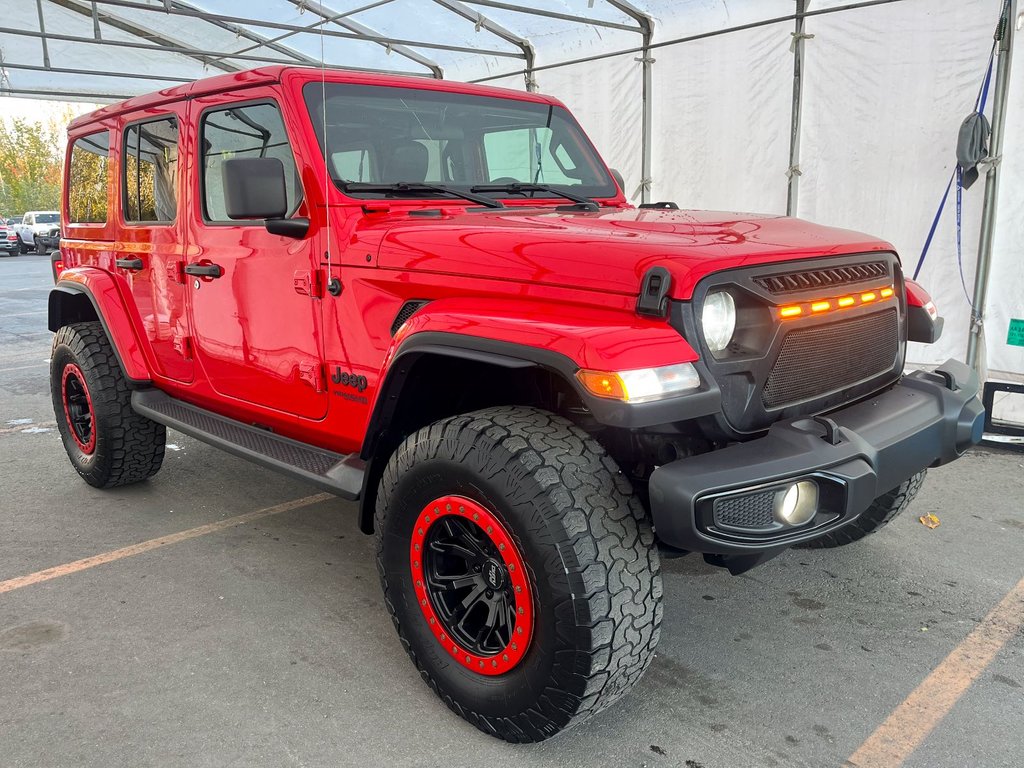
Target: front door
x,y
256,334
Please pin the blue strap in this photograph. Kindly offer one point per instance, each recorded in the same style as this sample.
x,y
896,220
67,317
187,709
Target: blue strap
x,y
959,231
979,106
935,225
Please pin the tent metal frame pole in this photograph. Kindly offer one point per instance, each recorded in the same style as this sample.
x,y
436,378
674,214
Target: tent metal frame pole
x,y
1004,52
646,28
196,53
332,16
794,173
267,24
42,33
513,8
482,22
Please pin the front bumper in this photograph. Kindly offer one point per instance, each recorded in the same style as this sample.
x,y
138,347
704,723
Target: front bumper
x,y
855,455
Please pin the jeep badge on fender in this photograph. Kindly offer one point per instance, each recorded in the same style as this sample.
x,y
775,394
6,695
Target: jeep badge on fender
x,y
347,379
555,385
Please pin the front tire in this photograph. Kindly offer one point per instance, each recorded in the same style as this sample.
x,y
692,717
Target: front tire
x,y
518,509
882,511
109,444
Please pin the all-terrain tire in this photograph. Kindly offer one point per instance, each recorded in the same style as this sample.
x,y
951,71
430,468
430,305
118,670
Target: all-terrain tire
x,y
590,560
882,510
22,248
109,444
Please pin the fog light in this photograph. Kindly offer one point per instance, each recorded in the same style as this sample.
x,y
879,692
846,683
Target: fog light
x,y
796,504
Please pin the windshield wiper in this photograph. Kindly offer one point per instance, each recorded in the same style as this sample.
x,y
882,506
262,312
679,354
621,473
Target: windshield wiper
x,y
517,189
419,186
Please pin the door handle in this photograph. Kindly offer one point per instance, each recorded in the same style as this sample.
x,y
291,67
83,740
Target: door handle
x,y
204,270
133,264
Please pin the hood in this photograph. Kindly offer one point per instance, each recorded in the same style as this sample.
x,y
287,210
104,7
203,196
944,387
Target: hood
x,y
608,251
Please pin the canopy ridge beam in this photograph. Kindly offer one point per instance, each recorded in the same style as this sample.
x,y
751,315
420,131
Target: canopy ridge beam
x,y
482,22
299,28
259,40
333,17
312,28
195,52
160,42
552,15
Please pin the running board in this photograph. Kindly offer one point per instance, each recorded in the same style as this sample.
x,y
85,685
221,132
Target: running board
x,y
335,472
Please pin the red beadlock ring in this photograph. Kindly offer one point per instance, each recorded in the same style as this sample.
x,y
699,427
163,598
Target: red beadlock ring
x,y
522,631
73,377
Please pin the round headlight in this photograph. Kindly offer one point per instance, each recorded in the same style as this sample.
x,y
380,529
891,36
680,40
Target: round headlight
x,y
719,320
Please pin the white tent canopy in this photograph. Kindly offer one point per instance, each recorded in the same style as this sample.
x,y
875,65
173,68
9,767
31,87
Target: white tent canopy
x,y
693,100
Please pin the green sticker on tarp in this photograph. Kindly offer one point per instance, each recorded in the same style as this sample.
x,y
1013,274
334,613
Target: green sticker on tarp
x,y
1015,336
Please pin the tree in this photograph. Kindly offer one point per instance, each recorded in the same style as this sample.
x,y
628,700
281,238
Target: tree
x,y
31,155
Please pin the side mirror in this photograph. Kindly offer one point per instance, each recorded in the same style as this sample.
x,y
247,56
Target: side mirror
x,y
254,188
617,175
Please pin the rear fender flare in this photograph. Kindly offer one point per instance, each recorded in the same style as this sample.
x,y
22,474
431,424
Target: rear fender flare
x,y
67,305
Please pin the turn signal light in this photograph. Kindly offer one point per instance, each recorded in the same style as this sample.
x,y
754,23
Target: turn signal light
x,y
817,306
641,385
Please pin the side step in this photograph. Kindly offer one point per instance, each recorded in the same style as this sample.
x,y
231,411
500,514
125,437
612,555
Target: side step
x,y
335,472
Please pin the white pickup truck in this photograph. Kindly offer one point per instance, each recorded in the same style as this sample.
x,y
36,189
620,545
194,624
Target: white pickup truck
x,y
35,223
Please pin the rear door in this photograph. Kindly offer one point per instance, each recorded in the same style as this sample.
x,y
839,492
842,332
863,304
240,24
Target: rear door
x,y
255,327
150,249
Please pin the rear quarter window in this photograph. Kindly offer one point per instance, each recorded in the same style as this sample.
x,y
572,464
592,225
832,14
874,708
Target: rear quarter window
x,y
87,179
150,172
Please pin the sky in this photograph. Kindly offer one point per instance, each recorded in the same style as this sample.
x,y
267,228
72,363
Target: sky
x,y
39,110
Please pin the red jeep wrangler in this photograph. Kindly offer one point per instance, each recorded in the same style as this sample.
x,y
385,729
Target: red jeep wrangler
x,y
433,298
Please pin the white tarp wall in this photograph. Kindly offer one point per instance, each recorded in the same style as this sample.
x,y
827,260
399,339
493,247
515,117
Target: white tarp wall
x,y
885,90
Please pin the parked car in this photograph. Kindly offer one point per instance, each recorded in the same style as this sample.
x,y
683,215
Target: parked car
x,y
434,298
35,223
8,239
48,241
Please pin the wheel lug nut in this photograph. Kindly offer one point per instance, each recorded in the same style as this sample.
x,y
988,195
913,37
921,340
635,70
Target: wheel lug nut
x,y
490,594
476,569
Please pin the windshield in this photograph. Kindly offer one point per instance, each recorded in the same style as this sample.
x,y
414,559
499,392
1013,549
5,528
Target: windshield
x,y
390,135
47,218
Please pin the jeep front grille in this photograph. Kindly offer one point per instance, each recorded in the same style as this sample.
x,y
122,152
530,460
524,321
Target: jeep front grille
x,y
827,358
816,279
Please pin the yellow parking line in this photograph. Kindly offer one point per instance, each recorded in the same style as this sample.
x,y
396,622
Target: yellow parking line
x,y
163,541
911,722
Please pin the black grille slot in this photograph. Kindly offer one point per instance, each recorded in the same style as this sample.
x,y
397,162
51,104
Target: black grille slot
x,y
816,279
752,512
408,310
816,361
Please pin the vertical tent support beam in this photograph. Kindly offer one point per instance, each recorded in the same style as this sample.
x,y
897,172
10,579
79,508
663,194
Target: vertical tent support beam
x,y
793,174
647,97
975,340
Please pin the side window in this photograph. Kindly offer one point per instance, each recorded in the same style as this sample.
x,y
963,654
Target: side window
x,y
87,178
27,221
150,171
254,130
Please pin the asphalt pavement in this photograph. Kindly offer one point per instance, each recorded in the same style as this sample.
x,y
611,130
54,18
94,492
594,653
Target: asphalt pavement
x,y
265,642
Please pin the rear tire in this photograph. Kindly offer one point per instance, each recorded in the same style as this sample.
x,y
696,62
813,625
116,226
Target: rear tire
x,y
40,248
108,443
547,495
882,511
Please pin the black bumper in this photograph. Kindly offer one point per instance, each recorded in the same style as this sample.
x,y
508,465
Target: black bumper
x,y
855,455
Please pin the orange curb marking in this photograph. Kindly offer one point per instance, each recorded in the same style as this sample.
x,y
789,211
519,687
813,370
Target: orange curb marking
x,y
147,546
911,722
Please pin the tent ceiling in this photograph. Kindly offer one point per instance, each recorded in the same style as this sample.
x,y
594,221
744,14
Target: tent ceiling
x,y
101,50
